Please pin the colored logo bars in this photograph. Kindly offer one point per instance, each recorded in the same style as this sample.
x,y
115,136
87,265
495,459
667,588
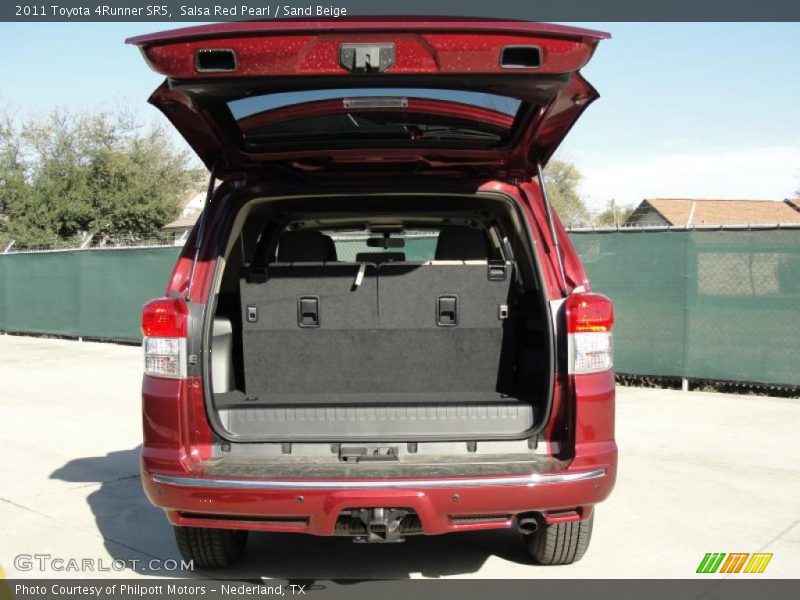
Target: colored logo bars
x,y
716,562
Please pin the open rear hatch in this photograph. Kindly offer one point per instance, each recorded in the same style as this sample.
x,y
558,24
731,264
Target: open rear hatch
x,y
476,96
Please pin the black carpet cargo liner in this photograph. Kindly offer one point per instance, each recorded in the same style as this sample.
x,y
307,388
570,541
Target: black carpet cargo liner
x,y
337,333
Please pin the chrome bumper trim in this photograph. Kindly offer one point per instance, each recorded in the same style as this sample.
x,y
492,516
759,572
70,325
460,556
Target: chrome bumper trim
x,y
328,484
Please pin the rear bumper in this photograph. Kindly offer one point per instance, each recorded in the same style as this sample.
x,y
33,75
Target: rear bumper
x,y
443,505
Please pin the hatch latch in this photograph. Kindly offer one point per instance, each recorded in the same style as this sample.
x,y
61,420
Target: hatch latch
x,y
356,454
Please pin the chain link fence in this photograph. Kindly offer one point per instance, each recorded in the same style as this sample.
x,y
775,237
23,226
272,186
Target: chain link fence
x,y
82,293
716,305
12,246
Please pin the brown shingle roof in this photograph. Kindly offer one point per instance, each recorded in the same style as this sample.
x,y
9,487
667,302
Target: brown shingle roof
x,y
188,221
182,223
724,212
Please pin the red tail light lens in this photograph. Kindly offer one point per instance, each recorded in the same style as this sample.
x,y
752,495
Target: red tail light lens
x,y
164,329
589,321
164,318
589,313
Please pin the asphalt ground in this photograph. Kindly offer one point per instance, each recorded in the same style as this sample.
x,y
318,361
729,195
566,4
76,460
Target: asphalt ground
x,y
699,472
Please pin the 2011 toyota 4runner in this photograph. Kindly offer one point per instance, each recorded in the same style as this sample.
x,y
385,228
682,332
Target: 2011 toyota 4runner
x,y
378,327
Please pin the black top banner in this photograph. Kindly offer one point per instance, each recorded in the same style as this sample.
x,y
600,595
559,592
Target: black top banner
x,y
538,10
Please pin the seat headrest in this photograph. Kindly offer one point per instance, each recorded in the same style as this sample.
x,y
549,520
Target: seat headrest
x,y
462,243
306,246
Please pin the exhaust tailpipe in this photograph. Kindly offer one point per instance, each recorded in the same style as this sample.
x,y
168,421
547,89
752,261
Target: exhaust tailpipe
x,y
527,524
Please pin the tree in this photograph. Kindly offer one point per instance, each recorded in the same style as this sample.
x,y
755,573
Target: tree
x,y
69,176
12,182
614,215
562,179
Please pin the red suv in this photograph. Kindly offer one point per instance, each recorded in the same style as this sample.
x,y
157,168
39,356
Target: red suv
x,y
378,327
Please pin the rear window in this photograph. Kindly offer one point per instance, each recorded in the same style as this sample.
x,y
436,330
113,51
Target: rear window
x,y
393,115
247,107
418,245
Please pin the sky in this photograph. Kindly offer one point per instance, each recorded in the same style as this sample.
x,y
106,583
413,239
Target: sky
x,y
699,110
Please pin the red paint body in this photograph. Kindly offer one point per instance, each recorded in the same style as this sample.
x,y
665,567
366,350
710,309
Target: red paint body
x,y
178,438
177,435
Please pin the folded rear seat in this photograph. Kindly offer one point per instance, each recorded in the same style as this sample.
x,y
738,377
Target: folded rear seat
x,y
397,333
447,323
303,327
447,317
299,316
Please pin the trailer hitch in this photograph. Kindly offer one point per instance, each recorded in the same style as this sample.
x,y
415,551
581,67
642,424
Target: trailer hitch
x,y
382,525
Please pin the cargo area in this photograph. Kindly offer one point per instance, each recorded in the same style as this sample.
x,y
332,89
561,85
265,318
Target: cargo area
x,y
379,318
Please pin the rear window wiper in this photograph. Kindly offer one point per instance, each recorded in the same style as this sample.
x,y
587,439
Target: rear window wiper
x,y
369,131
452,133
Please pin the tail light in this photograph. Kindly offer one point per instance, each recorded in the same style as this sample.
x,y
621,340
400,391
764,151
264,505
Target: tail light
x,y
164,330
590,318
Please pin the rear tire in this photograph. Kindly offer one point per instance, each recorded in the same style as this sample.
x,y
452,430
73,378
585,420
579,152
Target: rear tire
x,y
560,543
210,548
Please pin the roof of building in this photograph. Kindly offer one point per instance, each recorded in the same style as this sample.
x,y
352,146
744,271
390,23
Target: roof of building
x,y
190,207
183,222
709,212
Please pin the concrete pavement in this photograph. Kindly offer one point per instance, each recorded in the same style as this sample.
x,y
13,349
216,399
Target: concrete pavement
x,y
699,472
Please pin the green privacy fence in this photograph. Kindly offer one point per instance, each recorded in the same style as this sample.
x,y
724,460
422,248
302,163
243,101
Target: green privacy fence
x,y
100,293
722,305
85,293
705,304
